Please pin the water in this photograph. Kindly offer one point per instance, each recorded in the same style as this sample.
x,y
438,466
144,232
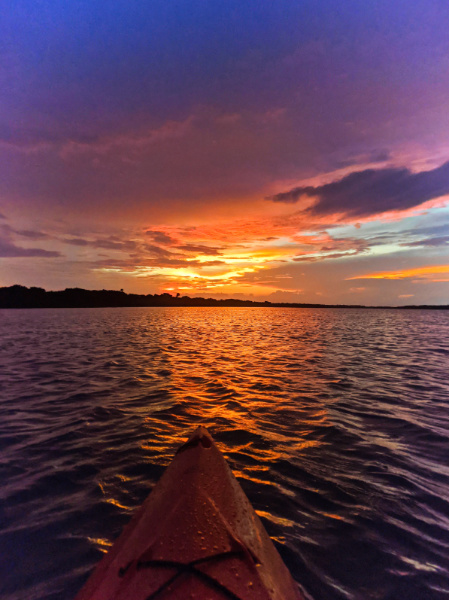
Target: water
x,y
336,423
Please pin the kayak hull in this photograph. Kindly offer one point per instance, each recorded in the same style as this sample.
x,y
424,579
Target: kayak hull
x,y
195,536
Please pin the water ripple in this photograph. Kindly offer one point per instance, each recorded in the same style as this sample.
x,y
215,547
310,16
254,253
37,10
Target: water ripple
x,y
336,423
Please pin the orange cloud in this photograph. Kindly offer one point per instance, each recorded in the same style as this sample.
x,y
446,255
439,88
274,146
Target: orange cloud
x,y
242,256
431,273
180,257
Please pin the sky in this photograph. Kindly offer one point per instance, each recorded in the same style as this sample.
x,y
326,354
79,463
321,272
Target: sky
x,y
290,151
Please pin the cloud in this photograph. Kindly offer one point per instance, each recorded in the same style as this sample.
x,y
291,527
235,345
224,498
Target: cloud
x,y
372,191
77,241
291,296
159,252
141,252
199,249
435,242
376,156
433,230
128,142
322,246
430,272
111,243
317,257
9,231
78,144
208,263
33,235
138,264
160,237
9,250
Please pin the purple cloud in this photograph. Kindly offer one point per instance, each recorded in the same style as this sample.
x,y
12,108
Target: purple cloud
x,y
372,191
111,243
9,250
435,242
76,241
33,235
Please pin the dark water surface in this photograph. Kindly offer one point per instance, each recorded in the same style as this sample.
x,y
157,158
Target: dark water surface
x,y
336,423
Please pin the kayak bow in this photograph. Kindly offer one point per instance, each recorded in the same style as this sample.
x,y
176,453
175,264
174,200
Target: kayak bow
x,y
195,536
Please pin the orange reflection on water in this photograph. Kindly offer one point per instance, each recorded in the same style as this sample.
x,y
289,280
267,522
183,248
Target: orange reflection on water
x,y
101,544
333,516
154,447
108,494
247,375
117,503
275,519
244,475
123,478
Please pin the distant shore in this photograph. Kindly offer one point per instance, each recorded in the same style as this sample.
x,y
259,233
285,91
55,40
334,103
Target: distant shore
x,y
19,296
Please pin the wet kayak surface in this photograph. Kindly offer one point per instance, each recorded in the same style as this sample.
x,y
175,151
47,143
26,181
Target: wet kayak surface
x,y
195,536
335,423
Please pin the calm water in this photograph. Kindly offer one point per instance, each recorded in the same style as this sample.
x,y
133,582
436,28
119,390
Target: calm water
x,y
336,423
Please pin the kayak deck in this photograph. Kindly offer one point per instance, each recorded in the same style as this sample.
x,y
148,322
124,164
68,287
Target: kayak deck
x,y
195,536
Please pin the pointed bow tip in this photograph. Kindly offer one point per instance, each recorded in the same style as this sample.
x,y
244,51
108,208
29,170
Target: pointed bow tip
x,y
200,436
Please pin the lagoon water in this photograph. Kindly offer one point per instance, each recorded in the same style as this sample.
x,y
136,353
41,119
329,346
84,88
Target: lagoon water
x,y
336,423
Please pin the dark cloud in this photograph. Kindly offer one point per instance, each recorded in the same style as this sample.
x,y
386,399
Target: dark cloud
x,y
435,241
160,237
313,258
33,235
9,231
199,249
164,261
143,255
137,262
112,243
157,251
372,191
208,263
9,250
2,216
76,241
431,231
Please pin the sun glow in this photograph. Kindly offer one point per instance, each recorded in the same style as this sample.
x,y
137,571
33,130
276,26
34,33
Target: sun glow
x,y
250,257
225,271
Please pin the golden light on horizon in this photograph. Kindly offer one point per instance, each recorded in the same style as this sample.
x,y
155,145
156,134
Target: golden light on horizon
x,y
224,273
428,272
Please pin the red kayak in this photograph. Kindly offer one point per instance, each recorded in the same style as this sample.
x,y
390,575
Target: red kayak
x,y
195,536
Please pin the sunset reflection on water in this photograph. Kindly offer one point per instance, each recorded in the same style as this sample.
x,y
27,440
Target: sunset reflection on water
x,y
334,421
243,378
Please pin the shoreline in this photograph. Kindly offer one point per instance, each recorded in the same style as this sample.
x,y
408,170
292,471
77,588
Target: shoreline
x,y
18,296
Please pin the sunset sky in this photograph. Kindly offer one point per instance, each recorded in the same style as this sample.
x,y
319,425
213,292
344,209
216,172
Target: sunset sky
x,y
291,150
